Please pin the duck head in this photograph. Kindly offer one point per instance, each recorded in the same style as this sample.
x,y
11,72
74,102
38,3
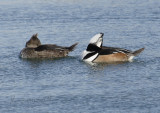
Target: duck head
x,y
33,42
94,46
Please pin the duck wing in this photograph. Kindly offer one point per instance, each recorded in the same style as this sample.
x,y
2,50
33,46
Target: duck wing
x,y
49,47
111,50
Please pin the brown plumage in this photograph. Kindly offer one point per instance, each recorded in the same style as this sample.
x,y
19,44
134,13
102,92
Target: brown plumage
x,y
118,56
33,42
34,49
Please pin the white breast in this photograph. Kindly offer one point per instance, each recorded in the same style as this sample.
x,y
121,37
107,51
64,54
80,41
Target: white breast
x,y
91,58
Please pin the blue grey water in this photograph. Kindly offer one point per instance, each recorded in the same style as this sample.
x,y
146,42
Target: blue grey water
x,y
69,85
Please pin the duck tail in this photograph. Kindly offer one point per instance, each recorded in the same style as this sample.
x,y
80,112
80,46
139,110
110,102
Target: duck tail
x,y
137,52
72,47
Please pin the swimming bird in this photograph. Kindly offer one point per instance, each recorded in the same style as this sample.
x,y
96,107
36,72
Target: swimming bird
x,y
95,52
34,49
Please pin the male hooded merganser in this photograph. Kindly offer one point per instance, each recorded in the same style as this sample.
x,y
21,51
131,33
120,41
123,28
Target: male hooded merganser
x,y
34,49
95,52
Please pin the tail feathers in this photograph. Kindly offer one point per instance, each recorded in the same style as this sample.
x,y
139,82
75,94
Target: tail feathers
x,y
72,47
137,52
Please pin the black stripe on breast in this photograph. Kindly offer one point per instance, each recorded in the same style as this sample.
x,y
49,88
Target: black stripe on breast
x,y
89,55
92,47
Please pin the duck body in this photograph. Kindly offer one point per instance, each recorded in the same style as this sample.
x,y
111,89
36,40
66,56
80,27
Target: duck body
x,y
112,54
95,52
45,51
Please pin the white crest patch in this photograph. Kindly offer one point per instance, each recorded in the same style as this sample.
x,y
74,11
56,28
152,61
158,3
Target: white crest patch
x,y
97,39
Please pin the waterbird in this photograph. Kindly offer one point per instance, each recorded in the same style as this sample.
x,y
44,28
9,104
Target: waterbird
x,y
34,49
95,52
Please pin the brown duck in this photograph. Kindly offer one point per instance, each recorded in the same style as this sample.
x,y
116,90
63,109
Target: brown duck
x,y
34,49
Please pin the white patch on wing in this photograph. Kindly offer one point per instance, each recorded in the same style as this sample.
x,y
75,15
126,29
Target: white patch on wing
x,y
60,49
115,52
119,51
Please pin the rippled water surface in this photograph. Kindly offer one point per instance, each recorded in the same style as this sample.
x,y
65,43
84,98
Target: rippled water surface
x,y
69,85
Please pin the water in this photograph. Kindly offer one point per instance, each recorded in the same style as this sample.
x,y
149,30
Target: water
x,y
69,85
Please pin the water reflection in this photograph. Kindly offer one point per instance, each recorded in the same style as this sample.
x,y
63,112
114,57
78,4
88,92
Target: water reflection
x,y
101,66
34,63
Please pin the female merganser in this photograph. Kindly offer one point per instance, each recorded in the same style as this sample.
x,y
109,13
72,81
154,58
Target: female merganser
x,y
34,49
